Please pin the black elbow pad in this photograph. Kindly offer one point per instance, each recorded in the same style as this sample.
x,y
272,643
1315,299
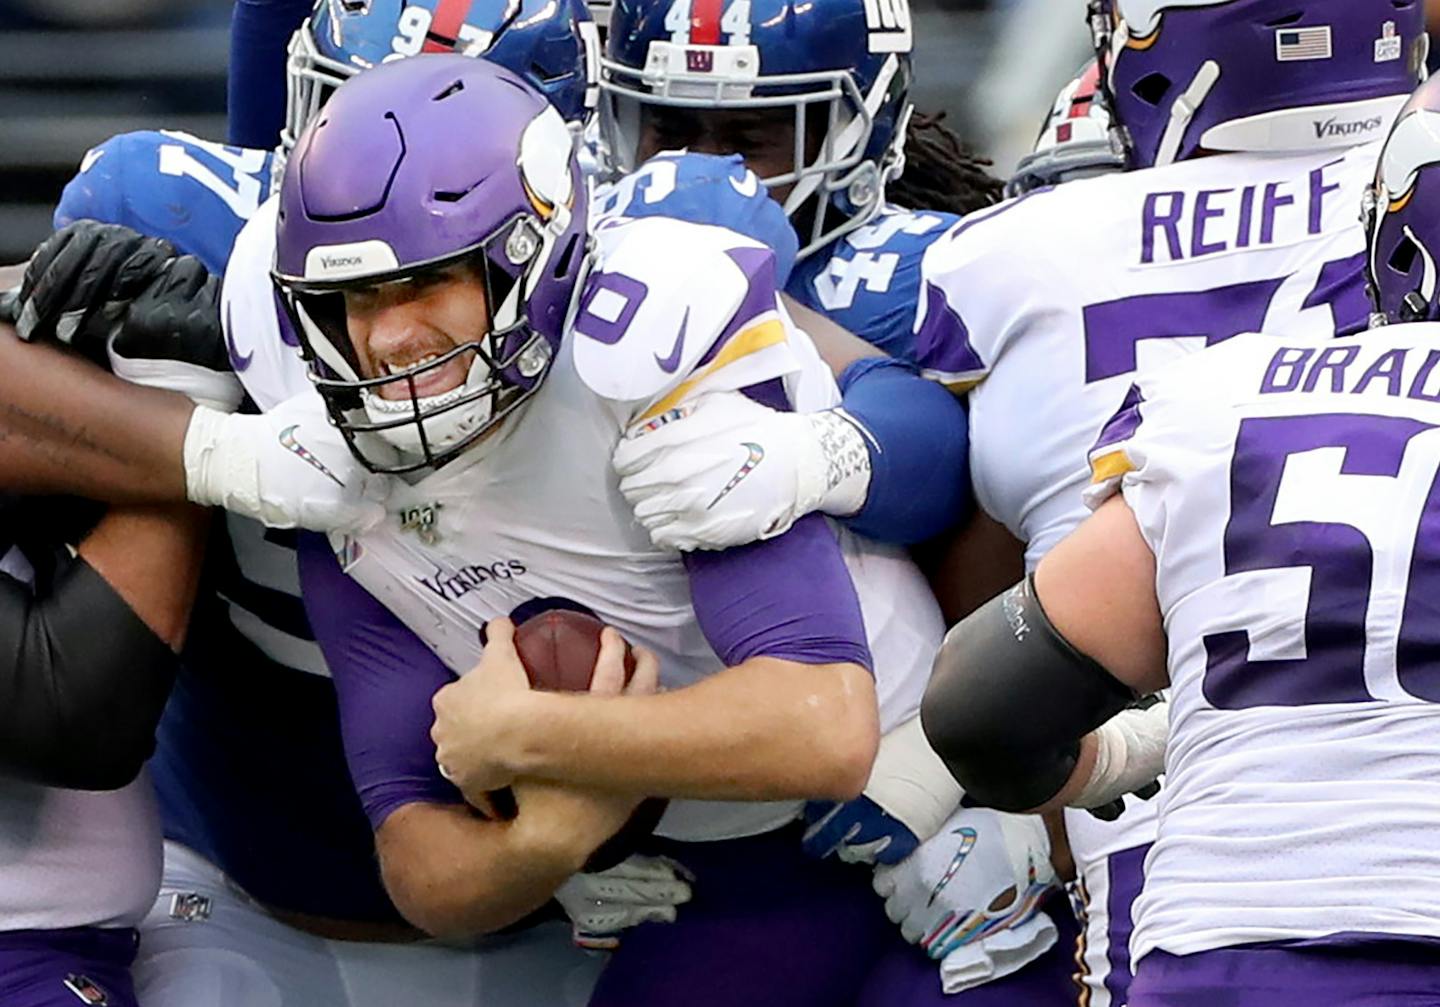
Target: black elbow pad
x,y
83,682
1010,699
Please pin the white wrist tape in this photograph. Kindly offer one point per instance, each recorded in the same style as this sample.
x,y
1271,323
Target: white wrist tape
x,y
1130,753
911,783
835,476
221,469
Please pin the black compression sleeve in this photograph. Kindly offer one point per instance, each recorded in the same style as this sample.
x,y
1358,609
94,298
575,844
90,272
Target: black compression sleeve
x,y
83,681
1010,699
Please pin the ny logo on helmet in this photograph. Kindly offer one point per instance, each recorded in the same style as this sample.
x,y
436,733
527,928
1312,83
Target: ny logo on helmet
x,y
889,24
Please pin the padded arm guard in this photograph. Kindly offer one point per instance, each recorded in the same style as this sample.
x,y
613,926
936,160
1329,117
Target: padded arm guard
x,y
1010,699
83,681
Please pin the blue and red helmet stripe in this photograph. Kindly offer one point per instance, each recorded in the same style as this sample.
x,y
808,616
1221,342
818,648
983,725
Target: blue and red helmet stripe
x,y
705,21
444,33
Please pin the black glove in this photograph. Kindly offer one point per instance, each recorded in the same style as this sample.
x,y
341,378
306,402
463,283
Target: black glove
x,y
176,317
80,280
1116,808
170,336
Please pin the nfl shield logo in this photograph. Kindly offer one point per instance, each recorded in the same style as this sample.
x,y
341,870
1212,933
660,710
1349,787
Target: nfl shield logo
x,y
1389,46
699,61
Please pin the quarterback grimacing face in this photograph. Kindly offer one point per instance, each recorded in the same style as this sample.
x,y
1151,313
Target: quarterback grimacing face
x,y
394,327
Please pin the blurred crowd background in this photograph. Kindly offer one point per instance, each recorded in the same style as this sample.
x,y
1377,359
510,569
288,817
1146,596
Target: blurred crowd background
x,y
74,72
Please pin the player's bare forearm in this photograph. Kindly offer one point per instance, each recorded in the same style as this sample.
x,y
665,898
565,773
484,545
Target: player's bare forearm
x,y
766,729
972,565
151,557
68,427
457,875
838,347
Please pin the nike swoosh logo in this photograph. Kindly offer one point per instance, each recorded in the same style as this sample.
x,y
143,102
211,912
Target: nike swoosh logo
x,y
91,156
670,363
967,843
289,442
237,361
756,456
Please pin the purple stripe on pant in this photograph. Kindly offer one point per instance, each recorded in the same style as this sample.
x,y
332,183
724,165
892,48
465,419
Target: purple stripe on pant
x,y
67,968
769,925
1127,878
1393,973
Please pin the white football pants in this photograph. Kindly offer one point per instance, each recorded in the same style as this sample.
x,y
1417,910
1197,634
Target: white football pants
x,y
234,954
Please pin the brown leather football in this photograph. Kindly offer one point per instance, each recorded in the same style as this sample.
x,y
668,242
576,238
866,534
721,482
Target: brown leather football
x,y
558,649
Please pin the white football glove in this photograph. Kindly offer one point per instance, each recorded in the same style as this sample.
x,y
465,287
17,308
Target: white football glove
x,y
970,897
725,471
637,890
286,468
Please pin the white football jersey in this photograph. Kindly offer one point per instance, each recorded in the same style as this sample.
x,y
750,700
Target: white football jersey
x,y
534,511
75,858
264,351
1290,491
1060,296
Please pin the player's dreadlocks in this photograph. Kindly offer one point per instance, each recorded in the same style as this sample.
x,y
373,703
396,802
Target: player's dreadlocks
x,y
941,172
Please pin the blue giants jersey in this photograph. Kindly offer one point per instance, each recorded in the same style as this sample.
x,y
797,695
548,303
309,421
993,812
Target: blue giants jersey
x,y
249,765
195,194
868,281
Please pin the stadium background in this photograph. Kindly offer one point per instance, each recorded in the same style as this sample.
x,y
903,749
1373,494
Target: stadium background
x,y
74,72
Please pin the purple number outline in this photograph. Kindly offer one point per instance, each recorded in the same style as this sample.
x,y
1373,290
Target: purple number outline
x,y
587,323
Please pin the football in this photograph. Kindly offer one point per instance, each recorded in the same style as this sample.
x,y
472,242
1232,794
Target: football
x,y
559,647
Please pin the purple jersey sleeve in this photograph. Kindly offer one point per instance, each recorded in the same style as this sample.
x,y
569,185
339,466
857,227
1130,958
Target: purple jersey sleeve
x,y
789,597
384,680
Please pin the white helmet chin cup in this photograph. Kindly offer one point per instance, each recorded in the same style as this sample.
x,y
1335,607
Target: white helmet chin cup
x,y
444,427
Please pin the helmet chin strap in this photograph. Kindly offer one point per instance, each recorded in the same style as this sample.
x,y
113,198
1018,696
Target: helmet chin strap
x,y
1416,305
1182,113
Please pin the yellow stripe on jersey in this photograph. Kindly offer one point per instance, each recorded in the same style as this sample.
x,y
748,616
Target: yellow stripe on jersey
x,y
956,383
762,335
1110,466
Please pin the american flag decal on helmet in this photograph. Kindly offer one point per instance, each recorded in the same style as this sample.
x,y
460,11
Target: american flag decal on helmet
x,y
1299,44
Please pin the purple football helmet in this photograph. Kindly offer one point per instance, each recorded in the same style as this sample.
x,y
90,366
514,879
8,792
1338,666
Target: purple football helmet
x,y
1184,77
1402,215
421,166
